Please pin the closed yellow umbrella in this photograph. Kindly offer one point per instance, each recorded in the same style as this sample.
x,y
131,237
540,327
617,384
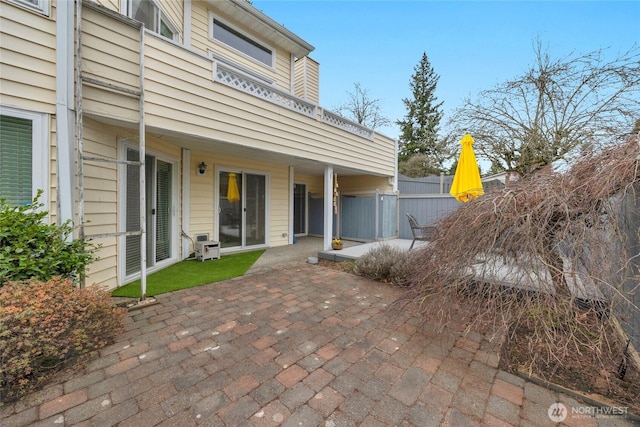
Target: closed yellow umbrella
x,y
233,195
466,182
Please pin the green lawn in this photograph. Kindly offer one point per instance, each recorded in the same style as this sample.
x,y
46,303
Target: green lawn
x,y
190,273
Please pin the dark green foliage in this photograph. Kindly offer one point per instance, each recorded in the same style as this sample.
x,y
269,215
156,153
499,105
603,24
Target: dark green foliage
x,y
45,326
419,128
29,247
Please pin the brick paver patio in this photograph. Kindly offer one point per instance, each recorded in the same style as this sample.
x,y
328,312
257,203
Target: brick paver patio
x,y
299,345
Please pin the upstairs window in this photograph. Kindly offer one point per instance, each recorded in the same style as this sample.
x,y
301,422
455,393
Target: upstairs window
x,y
41,6
149,13
224,33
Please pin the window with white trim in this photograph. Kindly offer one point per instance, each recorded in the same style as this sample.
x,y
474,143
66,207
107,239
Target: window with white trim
x,y
151,15
23,156
225,33
41,6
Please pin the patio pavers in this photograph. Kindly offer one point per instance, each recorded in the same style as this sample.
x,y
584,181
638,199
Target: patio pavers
x,y
299,345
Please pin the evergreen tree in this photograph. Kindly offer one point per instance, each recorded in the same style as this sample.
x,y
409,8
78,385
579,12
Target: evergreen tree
x,y
419,128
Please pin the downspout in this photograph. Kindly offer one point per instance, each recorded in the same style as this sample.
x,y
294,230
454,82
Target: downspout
x,y
65,130
143,186
79,125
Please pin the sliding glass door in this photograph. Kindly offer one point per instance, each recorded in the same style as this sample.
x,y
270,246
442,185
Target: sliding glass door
x,y
241,209
158,211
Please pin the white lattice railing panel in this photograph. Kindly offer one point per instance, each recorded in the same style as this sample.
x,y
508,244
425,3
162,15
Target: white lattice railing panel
x,y
346,124
241,81
247,84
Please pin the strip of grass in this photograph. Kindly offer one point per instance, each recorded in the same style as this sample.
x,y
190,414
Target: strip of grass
x,y
190,273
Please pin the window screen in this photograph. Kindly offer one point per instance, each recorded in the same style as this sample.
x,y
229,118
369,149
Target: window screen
x,y
16,164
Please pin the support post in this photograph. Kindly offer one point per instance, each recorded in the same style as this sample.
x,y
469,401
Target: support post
x,y
328,206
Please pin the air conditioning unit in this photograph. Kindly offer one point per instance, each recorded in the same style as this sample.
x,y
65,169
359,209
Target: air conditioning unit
x,y
207,250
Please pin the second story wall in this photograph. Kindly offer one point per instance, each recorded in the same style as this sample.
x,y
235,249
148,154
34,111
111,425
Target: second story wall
x,y
30,83
303,82
203,14
307,79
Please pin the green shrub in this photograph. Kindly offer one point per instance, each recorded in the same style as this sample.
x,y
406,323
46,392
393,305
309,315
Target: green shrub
x,y
45,326
385,263
31,248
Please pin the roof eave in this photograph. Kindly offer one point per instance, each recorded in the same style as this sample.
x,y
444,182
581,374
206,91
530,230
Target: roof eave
x,y
264,26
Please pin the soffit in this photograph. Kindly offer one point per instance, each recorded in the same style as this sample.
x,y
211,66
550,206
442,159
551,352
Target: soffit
x,y
244,13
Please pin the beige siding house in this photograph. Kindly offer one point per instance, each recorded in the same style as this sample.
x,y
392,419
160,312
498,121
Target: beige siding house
x,y
214,93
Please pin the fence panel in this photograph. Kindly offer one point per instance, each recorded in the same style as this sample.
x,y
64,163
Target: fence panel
x,y
358,216
426,208
628,273
388,220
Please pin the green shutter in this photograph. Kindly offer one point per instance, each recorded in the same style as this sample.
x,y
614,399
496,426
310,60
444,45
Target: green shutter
x,y
16,164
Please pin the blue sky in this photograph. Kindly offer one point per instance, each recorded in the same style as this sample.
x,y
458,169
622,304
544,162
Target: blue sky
x,y
472,45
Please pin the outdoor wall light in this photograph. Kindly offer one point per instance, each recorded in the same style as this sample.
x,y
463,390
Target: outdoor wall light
x,y
202,168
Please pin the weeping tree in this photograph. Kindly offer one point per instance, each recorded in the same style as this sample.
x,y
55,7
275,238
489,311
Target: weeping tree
x,y
559,108
548,253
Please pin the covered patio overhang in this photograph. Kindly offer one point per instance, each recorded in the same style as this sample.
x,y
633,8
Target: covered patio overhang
x,y
295,161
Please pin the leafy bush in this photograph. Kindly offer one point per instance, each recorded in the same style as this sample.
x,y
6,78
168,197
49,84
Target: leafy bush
x,y
44,326
31,248
385,263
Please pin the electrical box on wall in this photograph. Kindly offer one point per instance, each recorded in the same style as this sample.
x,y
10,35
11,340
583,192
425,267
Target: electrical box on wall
x,y
207,250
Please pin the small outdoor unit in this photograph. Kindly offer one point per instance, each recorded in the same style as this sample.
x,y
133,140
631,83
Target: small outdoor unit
x,y
207,250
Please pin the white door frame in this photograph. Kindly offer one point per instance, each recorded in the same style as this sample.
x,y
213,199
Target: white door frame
x,y
216,204
122,204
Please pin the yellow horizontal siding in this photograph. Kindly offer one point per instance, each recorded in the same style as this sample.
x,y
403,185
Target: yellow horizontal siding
x,y
110,50
307,79
28,59
315,184
187,101
102,271
357,184
109,4
175,11
202,43
104,103
279,208
101,199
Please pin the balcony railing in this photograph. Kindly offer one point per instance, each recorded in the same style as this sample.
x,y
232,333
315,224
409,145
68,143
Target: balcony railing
x,y
243,82
237,79
342,123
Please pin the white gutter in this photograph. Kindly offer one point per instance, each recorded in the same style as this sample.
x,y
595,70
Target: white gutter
x,y
65,118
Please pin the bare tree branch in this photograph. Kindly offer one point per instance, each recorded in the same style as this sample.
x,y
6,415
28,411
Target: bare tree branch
x,y
557,109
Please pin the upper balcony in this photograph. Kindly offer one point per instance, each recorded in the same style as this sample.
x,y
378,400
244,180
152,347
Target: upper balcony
x,y
191,97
